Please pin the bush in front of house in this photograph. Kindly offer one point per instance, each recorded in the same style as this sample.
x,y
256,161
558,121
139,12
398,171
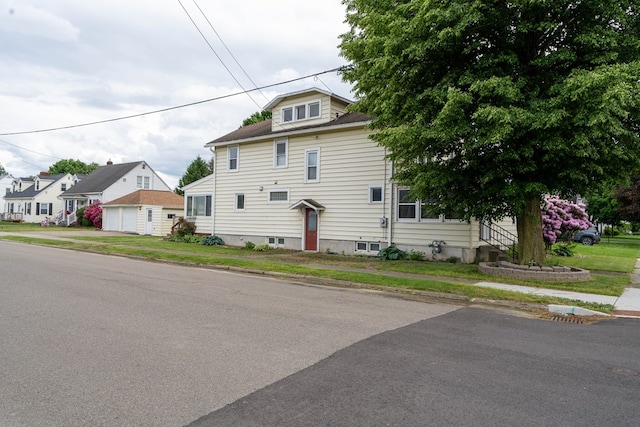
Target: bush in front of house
x,y
185,228
211,241
392,253
93,213
80,219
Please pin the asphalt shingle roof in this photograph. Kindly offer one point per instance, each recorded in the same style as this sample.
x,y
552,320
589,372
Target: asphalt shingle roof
x,y
167,199
101,179
31,192
264,128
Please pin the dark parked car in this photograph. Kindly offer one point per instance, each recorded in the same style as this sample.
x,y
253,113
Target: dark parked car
x,y
588,236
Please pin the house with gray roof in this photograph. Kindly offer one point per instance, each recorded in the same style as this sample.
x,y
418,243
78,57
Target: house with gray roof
x,y
108,183
35,199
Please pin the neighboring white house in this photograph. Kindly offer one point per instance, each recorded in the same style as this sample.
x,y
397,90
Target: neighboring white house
x,y
36,199
198,208
148,212
311,179
110,182
5,188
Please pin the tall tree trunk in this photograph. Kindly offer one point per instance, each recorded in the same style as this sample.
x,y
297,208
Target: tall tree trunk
x,y
530,241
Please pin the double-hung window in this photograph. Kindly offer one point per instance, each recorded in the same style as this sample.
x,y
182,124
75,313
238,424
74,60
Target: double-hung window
x,y
143,182
234,157
280,153
312,165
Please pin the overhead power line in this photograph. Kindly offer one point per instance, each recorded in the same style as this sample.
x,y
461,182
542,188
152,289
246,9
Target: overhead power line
x,y
228,50
162,110
214,51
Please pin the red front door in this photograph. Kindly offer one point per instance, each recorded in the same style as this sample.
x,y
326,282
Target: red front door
x,y
310,230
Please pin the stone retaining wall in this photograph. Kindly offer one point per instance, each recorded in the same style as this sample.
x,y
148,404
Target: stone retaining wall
x,y
546,274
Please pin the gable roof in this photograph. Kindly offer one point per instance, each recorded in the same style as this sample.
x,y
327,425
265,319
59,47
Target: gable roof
x,y
167,199
31,192
278,99
200,181
101,178
263,129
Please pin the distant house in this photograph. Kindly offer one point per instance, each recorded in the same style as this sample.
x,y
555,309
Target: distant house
x,y
5,188
311,179
110,182
35,199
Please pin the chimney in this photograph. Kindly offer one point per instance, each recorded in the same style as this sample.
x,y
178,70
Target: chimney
x,y
43,173
109,162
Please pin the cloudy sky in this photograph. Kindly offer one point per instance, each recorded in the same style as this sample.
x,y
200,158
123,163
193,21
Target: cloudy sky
x,y
70,62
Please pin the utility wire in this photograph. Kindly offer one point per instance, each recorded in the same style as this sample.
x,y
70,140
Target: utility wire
x,y
216,54
31,151
228,50
162,110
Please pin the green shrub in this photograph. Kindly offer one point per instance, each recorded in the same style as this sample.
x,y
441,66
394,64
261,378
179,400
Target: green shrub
x,y
190,238
212,241
249,245
453,260
392,253
416,255
563,250
81,220
262,247
185,228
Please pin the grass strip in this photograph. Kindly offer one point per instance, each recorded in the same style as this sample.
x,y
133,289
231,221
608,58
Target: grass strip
x,y
364,278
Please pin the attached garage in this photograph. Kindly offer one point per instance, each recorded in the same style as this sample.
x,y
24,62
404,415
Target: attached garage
x,y
143,212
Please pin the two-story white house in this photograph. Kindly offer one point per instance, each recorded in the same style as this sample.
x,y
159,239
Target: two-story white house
x,y
35,199
311,179
110,182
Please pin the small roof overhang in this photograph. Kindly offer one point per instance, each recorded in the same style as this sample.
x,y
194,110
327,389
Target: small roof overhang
x,y
307,203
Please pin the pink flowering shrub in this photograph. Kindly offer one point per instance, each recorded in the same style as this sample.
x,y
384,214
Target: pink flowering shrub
x,y
561,219
93,213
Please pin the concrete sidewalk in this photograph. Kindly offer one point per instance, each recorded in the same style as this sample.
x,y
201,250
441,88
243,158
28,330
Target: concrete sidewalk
x,y
626,305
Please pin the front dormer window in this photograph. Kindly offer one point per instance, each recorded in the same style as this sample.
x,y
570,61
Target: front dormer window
x,y
310,110
37,184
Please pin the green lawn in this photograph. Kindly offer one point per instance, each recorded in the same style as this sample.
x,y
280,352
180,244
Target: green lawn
x,y
609,261
616,254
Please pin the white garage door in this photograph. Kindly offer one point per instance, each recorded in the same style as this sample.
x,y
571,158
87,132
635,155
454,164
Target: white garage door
x,y
129,218
111,219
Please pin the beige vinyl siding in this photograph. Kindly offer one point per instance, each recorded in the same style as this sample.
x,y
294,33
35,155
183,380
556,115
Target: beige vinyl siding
x,y
454,233
328,110
349,163
204,224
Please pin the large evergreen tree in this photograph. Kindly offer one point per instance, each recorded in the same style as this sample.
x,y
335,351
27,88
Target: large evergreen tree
x,y
196,170
2,170
72,166
486,106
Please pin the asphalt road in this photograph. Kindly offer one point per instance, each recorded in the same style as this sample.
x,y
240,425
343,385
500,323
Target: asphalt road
x,y
471,367
94,340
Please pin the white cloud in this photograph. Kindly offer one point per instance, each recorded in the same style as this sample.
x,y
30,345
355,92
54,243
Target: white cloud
x,y
79,61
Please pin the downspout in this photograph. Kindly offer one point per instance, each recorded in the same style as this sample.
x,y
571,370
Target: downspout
x,y
390,220
213,194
